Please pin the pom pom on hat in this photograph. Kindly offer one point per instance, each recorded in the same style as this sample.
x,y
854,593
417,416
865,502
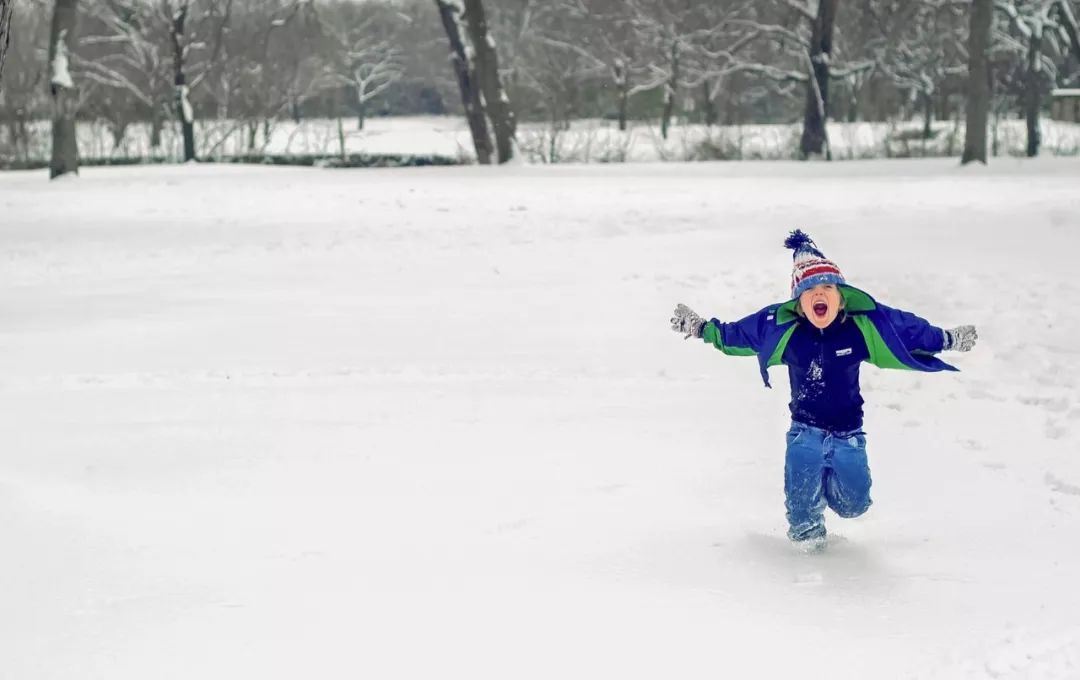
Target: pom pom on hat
x,y
797,240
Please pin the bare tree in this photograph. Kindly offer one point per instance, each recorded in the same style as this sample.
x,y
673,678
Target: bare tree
x,y
978,94
65,96
806,56
815,139
496,103
24,98
271,62
476,65
576,42
449,12
6,9
1042,24
364,54
178,16
546,66
164,41
926,49
133,61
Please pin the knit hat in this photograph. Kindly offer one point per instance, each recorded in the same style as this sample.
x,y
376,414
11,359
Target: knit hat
x,y
811,267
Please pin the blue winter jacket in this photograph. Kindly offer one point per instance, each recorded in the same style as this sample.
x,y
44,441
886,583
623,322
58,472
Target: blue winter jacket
x,y
823,364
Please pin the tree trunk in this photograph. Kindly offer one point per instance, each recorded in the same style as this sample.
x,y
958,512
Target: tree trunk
x,y
709,104
252,130
65,97
13,134
670,91
815,141
467,84
183,103
978,82
341,141
1033,91
622,85
6,9
156,123
361,114
928,115
997,122
496,103
119,132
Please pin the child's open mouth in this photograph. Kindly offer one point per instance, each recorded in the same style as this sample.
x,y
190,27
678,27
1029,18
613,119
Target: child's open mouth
x,y
821,309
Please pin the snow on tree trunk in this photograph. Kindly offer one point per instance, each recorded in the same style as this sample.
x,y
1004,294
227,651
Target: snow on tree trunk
x,y
815,141
978,82
1033,90
65,98
183,103
6,8
496,103
467,81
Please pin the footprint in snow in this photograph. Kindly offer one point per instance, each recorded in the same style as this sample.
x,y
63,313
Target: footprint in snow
x,y
1061,486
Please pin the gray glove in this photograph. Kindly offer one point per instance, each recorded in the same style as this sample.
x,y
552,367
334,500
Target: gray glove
x,y
961,338
688,322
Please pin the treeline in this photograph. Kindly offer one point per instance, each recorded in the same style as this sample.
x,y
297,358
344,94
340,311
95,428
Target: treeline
x,y
713,62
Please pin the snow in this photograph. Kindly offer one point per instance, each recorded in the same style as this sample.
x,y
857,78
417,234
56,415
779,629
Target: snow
x,y
433,423
185,103
61,76
585,141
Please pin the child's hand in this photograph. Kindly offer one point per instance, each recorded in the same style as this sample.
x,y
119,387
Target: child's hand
x,y
961,338
687,321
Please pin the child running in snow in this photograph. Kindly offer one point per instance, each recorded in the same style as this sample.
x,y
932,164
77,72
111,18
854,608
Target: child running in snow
x,y
823,334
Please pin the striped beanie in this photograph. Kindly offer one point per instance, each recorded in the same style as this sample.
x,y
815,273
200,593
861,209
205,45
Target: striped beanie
x,y
811,267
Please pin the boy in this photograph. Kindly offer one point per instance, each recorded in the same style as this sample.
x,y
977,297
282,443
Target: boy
x,y
823,334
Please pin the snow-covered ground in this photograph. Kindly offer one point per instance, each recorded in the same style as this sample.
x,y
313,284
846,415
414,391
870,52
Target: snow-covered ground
x,y
586,141
432,423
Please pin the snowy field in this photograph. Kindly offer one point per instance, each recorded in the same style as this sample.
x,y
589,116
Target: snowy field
x,y
432,423
586,141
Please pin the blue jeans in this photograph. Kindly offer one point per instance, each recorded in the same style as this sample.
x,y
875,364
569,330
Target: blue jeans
x,y
822,469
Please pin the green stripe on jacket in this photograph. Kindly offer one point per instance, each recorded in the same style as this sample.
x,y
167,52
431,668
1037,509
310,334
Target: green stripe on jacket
x,y
880,354
712,336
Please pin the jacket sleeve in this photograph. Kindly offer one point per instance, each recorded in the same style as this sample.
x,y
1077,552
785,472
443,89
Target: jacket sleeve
x,y
917,334
740,338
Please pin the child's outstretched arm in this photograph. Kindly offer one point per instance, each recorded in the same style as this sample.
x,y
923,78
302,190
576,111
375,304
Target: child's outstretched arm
x,y
919,335
740,338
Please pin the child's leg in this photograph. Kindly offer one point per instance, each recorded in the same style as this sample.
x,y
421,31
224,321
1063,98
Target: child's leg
x,y
803,473
847,481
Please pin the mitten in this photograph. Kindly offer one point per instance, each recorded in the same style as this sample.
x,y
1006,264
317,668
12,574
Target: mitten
x,y
687,321
961,338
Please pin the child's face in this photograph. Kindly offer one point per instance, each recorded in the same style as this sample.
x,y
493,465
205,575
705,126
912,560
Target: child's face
x,y
821,304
